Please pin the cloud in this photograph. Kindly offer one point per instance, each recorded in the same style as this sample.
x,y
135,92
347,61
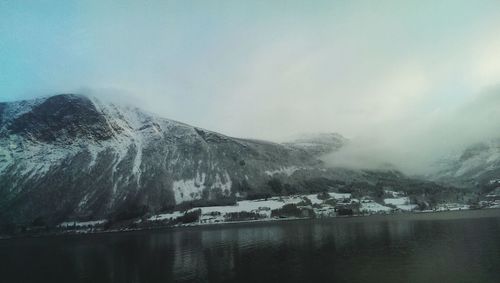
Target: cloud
x,y
393,76
416,146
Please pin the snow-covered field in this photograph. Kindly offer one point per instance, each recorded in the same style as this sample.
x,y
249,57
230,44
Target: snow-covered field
x,y
402,203
263,207
373,207
84,224
452,207
166,216
340,196
215,214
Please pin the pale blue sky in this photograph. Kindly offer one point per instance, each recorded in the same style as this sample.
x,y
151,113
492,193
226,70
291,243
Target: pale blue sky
x,y
264,69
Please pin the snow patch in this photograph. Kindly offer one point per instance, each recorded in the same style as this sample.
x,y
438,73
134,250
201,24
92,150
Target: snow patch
x,y
261,206
224,183
314,199
340,196
186,190
397,201
81,224
166,216
372,206
288,171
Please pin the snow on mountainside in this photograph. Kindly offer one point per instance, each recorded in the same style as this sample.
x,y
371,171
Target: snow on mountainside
x,y
69,158
73,156
477,165
319,143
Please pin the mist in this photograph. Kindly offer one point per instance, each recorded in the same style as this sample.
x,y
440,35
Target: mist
x,y
416,146
407,83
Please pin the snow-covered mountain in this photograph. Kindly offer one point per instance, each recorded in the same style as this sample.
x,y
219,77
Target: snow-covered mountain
x,y
71,156
477,166
318,144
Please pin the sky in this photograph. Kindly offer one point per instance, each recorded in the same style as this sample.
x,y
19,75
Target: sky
x,y
391,75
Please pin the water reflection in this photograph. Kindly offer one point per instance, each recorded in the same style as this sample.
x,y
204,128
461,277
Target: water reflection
x,y
395,249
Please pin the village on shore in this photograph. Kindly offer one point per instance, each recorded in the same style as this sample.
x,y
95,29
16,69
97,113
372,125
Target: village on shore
x,y
319,205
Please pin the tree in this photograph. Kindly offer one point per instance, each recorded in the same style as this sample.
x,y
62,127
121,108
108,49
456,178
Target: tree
x,y
288,210
190,216
275,185
323,196
39,222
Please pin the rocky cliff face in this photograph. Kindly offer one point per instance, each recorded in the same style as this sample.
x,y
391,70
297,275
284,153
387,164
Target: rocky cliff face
x,y
70,156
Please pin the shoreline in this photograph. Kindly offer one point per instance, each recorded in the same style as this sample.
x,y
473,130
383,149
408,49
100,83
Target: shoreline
x,y
404,216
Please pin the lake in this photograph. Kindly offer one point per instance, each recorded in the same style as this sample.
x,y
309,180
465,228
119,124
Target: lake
x,y
428,247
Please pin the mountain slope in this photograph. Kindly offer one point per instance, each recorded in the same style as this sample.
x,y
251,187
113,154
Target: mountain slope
x,y
73,156
477,166
318,144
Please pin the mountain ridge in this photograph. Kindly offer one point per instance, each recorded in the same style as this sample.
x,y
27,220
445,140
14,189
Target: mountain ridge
x,y
73,157
98,157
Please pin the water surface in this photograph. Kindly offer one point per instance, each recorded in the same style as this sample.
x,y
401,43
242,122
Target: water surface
x,y
442,247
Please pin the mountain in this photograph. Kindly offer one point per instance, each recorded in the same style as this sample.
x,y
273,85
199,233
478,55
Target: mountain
x,y
477,166
71,156
318,144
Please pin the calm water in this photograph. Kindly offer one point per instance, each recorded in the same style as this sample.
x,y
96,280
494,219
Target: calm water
x,y
444,247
